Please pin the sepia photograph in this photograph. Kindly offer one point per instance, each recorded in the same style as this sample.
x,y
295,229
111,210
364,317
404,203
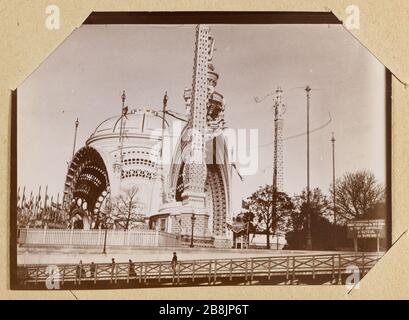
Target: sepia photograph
x,y
163,155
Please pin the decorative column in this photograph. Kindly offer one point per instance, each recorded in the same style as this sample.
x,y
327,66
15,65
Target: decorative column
x,y
194,175
195,169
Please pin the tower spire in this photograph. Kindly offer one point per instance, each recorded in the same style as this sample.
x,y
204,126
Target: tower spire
x,y
75,138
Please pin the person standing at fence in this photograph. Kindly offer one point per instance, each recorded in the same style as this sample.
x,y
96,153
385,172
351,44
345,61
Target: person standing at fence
x,y
112,268
92,269
131,270
174,262
80,272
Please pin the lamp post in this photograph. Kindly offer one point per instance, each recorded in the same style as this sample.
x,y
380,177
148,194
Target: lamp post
x,y
105,238
308,240
333,190
193,218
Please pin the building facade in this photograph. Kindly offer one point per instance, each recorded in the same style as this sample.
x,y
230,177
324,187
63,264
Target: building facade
x,y
123,156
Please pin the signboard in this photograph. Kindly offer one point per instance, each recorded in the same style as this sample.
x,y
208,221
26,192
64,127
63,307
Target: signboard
x,y
366,229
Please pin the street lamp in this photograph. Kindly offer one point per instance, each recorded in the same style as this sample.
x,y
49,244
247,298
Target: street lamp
x,y
193,218
105,238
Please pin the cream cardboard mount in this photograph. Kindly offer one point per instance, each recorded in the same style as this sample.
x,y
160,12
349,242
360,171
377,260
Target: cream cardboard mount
x,y
399,130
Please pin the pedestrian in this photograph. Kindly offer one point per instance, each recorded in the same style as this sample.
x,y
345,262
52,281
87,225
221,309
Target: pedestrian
x,y
112,268
131,269
80,272
92,269
112,265
174,262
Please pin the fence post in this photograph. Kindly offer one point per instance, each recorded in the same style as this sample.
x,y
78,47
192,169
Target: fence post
x,y
80,273
363,264
71,234
333,267
145,273
293,280
252,267
193,270
269,268
99,236
128,237
245,274
178,272
210,272
44,234
231,269
313,267
339,269
287,276
63,275
96,272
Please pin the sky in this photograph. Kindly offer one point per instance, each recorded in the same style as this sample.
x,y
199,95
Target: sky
x,y
84,77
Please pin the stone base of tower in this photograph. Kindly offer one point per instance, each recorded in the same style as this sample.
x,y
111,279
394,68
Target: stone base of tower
x,y
222,242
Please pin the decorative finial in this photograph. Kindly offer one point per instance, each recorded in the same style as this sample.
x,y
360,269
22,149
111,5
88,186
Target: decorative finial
x,y
333,138
77,123
123,97
308,89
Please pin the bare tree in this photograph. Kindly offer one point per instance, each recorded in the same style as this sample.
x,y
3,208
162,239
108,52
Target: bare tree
x,y
270,218
125,209
357,195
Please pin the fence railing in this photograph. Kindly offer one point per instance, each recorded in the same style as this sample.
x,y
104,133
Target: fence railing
x,y
90,238
247,269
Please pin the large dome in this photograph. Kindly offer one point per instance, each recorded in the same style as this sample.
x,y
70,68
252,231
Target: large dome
x,y
136,122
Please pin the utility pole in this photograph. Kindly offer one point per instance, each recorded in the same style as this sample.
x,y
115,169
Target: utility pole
x,y
279,109
333,189
308,239
75,138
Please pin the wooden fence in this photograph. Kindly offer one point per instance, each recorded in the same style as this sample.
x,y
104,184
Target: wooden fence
x,y
91,238
334,266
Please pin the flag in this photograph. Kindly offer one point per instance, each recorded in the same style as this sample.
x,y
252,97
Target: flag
x,y
23,199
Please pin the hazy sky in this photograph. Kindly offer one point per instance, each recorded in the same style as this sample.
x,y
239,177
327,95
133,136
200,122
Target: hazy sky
x,y
85,77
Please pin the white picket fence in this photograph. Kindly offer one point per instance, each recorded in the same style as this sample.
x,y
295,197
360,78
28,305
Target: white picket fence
x,y
91,238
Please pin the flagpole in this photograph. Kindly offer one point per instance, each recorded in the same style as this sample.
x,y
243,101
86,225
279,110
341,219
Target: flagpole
x,y
18,197
75,138
45,200
123,97
165,104
38,201
23,198
57,207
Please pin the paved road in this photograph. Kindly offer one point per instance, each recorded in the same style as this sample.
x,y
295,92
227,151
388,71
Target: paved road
x,y
26,255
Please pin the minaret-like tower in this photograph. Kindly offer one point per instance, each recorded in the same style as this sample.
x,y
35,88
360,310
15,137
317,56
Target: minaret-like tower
x,y
195,171
279,110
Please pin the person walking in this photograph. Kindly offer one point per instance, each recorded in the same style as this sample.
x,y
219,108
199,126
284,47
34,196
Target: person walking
x,y
112,268
174,262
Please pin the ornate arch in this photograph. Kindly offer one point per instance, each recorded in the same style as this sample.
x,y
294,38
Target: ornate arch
x,y
87,186
217,181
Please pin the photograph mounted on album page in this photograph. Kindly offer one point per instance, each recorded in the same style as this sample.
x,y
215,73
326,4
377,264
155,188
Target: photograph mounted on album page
x,y
211,152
